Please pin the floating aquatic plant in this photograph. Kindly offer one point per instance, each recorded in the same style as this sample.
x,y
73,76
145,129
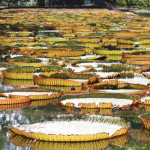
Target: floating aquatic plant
x,y
101,128
21,69
27,60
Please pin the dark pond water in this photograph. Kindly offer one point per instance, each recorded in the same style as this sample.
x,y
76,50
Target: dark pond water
x,y
136,139
40,111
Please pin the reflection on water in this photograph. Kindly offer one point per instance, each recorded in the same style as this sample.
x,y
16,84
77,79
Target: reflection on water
x,y
144,136
16,83
6,88
38,145
41,113
23,116
47,110
14,106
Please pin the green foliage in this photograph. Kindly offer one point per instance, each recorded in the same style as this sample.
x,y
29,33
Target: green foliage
x,y
72,46
91,24
100,95
102,65
54,68
146,116
66,69
27,60
3,3
127,75
120,67
137,86
105,26
59,75
23,3
127,38
80,76
5,65
39,44
138,52
43,76
50,68
82,61
52,60
22,69
141,94
145,3
67,61
29,3
20,45
66,118
70,42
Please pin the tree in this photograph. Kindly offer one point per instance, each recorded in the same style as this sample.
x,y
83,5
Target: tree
x,y
40,3
99,2
12,3
8,2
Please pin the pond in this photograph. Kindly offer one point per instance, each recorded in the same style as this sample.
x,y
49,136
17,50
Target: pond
x,y
100,53
31,115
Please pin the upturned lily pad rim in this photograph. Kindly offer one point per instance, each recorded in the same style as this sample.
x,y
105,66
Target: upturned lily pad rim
x,y
124,128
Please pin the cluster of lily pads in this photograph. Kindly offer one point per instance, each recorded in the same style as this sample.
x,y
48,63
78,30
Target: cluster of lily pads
x,y
86,59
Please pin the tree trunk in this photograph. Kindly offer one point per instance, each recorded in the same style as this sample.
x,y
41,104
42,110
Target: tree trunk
x,y
8,2
40,3
127,3
99,2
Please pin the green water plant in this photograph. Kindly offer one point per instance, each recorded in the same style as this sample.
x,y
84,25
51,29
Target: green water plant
x,y
60,75
119,67
146,116
21,69
100,95
27,60
48,68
